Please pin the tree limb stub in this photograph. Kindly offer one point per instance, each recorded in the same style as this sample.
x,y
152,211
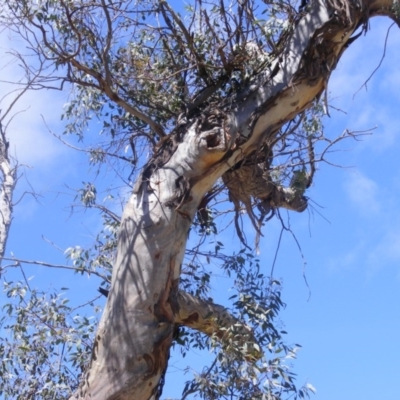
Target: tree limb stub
x,y
215,320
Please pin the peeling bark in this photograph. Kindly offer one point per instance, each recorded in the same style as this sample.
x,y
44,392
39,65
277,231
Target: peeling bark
x,y
144,305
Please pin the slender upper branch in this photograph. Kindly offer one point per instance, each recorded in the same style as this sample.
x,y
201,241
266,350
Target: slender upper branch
x,y
105,82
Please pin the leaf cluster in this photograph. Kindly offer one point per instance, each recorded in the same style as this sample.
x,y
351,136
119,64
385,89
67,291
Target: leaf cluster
x,y
45,344
257,301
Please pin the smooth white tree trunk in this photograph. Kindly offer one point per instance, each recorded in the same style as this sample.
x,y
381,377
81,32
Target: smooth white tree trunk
x,y
7,184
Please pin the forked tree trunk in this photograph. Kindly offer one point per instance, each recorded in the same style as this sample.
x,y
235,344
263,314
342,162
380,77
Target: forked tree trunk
x,y
135,333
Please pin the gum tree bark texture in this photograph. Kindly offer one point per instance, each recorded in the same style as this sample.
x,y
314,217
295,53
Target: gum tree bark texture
x,y
135,334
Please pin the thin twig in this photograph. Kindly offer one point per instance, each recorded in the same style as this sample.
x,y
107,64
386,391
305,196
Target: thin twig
x,y
48,265
380,62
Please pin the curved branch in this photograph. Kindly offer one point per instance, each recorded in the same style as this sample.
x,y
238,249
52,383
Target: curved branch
x,y
106,88
386,8
215,320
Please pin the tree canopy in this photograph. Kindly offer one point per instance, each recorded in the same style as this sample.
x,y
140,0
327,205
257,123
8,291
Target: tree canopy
x,y
207,109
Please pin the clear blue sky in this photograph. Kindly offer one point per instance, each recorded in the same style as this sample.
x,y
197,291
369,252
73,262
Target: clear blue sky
x,y
350,238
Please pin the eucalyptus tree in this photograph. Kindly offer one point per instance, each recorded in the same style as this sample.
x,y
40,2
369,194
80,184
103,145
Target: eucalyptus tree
x,y
8,162
226,98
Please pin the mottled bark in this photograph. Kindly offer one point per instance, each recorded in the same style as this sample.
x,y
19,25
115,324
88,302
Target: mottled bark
x,y
135,334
